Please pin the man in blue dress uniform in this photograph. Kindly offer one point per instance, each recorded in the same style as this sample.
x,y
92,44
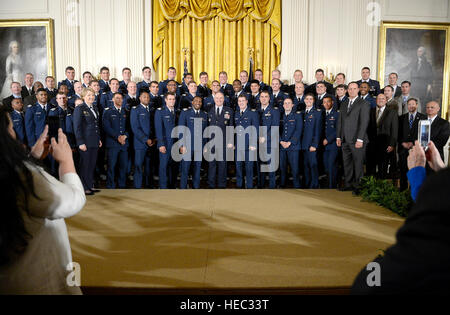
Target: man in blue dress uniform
x,y
278,96
18,119
171,76
165,122
312,130
196,121
106,98
144,85
69,81
209,101
186,99
291,129
269,118
115,128
104,81
330,155
246,122
144,139
35,117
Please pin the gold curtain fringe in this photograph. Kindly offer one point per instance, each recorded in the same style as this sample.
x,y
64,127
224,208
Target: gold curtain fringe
x,y
218,34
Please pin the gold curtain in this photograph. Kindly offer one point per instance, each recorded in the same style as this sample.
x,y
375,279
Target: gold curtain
x,y
218,34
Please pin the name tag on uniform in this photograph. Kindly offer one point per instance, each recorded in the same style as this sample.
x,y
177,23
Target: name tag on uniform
x,y
85,113
268,115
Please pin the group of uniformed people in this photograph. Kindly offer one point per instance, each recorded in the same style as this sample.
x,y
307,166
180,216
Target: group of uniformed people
x,y
125,128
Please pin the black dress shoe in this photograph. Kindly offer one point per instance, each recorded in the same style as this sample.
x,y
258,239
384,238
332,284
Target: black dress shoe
x,y
89,193
95,190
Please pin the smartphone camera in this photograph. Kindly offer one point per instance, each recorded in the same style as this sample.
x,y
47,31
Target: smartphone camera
x,y
53,127
424,133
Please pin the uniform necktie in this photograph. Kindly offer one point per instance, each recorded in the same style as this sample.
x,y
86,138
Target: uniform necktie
x,y
405,98
411,121
218,112
92,110
242,113
378,115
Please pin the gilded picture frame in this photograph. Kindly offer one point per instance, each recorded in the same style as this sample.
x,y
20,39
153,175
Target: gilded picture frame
x,y
28,47
419,53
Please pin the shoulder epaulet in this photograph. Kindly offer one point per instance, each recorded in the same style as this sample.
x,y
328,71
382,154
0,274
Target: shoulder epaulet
x,y
319,110
103,93
53,109
183,94
185,109
160,108
338,111
253,110
69,114
31,105
286,94
299,112
134,107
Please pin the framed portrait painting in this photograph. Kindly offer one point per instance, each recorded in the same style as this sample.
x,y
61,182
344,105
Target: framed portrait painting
x,y
418,53
26,47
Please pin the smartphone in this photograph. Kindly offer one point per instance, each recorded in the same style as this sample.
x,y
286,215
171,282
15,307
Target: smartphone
x,y
424,133
54,124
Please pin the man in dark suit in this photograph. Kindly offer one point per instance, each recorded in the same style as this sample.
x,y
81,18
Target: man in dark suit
x,y
188,78
407,136
16,90
320,77
418,263
397,90
321,92
259,77
243,76
69,81
298,98
383,133
440,128
352,136
237,91
50,87
298,78
225,88
373,84
31,99
421,73
27,89
341,95
203,89
171,76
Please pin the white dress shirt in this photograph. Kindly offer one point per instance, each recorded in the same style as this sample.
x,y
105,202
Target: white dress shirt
x,y
41,269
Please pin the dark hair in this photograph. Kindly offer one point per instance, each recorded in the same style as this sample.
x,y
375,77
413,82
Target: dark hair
x,y
41,90
242,96
70,68
342,74
254,82
342,86
114,79
235,81
188,74
154,82
15,180
388,86
413,99
329,97
126,68
320,70
267,92
87,72
396,74
145,68
365,68
171,68
118,93
259,70
321,83
202,74
92,81
365,83
103,69
406,82
310,94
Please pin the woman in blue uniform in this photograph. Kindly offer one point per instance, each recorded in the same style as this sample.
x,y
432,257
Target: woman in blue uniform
x,y
87,135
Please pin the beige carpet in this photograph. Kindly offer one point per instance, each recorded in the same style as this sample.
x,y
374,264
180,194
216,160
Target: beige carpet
x,y
227,239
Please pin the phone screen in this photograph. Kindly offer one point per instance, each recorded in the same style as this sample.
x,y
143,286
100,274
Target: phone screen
x,y
424,133
53,127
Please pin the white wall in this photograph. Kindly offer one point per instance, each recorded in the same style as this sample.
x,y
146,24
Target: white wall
x,y
316,33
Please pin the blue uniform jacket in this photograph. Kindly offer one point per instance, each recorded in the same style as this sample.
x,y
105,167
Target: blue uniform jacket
x,y
69,131
18,121
104,86
86,127
330,128
312,129
69,86
115,125
141,125
249,118
291,130
269,118
106,100
208,102
165,121
35,120
277,102
187,119
225,120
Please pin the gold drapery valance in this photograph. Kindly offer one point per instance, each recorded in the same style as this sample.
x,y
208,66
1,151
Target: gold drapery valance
x,y
218,34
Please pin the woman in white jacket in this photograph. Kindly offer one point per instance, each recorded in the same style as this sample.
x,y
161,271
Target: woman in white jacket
x,y
35,254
